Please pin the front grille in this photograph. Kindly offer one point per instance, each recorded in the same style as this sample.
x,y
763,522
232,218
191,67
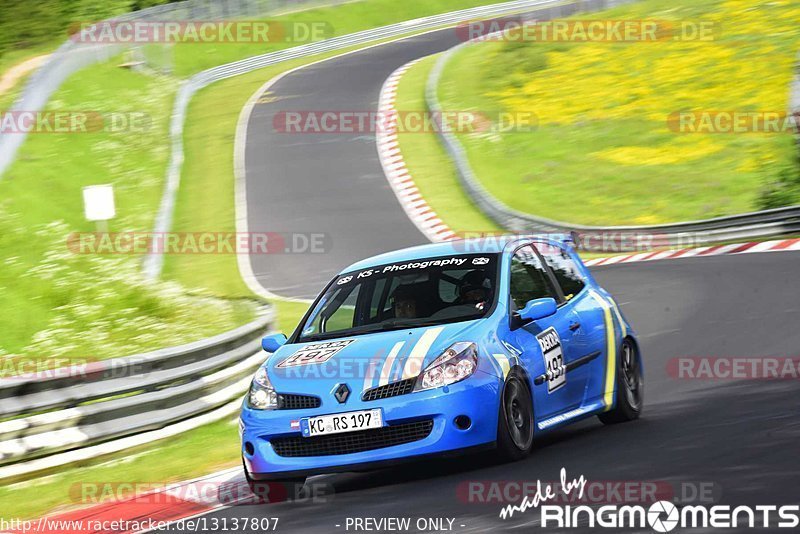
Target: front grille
x,y
297,402
389,390
359,441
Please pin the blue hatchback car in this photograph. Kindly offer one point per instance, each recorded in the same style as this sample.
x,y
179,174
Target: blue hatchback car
x,y
439,349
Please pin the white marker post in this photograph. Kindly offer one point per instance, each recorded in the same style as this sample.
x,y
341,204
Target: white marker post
x,y
98,205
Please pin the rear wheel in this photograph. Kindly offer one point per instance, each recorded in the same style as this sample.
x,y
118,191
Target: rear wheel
x,y
629,396
515,421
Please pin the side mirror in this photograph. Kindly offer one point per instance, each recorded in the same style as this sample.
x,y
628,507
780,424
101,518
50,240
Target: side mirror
x,y
273,342
534,310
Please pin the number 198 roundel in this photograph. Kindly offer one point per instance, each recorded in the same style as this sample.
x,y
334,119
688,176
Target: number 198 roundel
x,y
443,348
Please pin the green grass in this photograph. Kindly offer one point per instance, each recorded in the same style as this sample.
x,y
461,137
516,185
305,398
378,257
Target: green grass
x,y
602,136
204,450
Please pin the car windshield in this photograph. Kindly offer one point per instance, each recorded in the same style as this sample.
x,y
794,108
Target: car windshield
x,y
409,294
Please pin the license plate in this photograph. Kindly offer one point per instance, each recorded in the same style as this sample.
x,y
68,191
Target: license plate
x,y
341,422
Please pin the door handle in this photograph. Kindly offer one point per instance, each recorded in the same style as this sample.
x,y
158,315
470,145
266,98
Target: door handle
x,y
574,325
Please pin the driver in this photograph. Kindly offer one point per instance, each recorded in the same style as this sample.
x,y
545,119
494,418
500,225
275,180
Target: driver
x,y
473,290
404,302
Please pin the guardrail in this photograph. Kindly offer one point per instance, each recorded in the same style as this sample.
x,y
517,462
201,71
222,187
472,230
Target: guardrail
x,y
754,225
80,406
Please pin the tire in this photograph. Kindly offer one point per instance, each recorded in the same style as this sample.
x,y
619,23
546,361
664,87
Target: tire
x,y
282,490
515,420
629,395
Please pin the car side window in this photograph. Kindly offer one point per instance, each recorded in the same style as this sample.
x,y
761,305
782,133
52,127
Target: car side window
x,y
564,268
529,279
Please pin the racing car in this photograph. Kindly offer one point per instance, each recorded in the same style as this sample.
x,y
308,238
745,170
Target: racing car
x,y
442,348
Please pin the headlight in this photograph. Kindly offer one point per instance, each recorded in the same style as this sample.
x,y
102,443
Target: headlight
x,y
262,395
455,364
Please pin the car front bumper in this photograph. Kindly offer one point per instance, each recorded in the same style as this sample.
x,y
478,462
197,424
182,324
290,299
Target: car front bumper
x,y
476,397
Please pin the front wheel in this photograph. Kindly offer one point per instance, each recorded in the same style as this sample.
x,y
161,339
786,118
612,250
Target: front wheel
x,y
515,420
629,396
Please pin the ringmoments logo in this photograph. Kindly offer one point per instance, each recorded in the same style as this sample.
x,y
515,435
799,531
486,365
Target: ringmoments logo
x,y
660,516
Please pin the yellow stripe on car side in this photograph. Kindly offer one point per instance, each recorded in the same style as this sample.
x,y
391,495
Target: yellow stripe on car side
x,y
611,361
611,350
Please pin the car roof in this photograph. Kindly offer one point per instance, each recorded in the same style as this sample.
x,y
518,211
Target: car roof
x,y
455,247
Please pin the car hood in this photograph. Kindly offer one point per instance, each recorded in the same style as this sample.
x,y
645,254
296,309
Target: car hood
x,y
362,361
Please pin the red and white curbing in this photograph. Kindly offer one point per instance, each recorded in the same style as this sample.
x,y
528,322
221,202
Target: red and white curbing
x,y
717,250
420,213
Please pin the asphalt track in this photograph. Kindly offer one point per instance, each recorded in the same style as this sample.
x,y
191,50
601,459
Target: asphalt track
x,y
739,438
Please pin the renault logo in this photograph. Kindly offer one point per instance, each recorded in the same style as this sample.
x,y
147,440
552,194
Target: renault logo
x,y
341,393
